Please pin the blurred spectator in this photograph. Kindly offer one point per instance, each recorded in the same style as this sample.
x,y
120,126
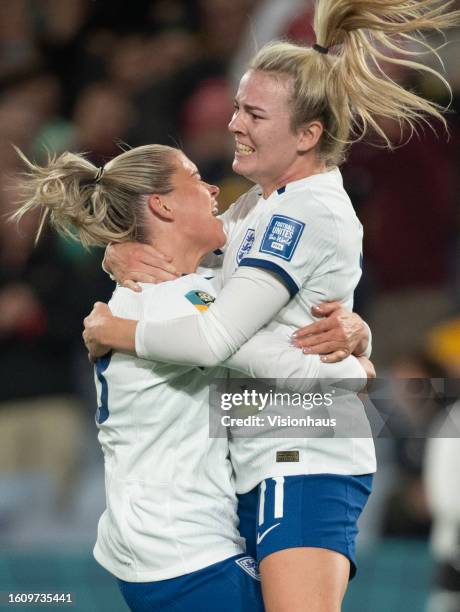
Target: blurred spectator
x,y
18,51
416,403
406,202
158,89
443,345
270,19
207,140
101,119
222,24
441,479
40,421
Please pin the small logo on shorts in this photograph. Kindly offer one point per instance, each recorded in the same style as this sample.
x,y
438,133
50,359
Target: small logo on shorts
x,y
287,456
249,565
261,536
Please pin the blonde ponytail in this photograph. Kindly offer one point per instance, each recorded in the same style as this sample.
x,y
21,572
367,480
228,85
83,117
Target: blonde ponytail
x,y
348,89
102,204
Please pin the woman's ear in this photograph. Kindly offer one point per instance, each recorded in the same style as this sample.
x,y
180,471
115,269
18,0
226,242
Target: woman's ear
x,y
160,207
309,136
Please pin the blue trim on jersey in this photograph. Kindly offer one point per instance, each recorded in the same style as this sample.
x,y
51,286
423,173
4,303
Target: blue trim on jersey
x,y
101,365
281,190
232,585
252,262
218,252
314,510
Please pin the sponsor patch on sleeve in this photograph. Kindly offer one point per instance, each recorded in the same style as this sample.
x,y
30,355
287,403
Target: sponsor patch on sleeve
x,y
200,299
282,236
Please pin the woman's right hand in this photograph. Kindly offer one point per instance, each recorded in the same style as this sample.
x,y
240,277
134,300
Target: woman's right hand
x,y
103,332
133,262
94,328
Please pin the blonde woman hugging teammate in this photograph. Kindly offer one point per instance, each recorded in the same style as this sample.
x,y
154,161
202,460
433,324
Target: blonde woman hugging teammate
x,y
293,241
169,533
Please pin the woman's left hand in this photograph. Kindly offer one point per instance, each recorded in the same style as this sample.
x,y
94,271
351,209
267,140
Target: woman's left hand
x,y
339,334
93,333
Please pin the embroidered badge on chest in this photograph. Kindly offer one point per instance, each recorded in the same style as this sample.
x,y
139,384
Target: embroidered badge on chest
x,y
246,245
200,299
282,236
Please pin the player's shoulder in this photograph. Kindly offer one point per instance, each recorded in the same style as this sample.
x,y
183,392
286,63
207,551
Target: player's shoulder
x,y
176,298
317,199
126,303
315,191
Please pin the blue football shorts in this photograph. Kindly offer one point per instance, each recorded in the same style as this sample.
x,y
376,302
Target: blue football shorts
x,y
232,585
318,510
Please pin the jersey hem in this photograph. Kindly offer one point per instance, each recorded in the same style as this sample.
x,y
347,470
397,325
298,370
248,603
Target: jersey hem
x,y
175,571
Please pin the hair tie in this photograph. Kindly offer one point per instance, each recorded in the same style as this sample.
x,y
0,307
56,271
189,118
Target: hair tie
x,y
320,49
99,173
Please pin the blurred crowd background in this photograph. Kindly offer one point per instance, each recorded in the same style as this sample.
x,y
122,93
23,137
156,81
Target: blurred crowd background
x,y
94,75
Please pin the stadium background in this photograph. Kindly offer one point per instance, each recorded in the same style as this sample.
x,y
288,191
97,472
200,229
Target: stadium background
x,y
88,75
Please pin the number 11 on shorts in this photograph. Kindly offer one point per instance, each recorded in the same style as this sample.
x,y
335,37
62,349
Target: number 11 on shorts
x,y
278,505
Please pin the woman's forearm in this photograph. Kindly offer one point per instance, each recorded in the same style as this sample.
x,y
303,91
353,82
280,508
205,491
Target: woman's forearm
x,y
267,355
248,302
120,335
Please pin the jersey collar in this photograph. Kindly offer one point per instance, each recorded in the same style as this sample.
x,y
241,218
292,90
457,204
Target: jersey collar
x,y
333,173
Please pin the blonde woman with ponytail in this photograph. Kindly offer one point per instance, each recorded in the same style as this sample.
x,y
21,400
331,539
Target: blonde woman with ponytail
x,y
292,241
169,534
163,474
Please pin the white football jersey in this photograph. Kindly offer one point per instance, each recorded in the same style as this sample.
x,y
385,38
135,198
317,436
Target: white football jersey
x,y
171,505
309,235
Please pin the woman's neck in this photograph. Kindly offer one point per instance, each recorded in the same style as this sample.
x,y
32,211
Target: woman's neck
x,y
185,257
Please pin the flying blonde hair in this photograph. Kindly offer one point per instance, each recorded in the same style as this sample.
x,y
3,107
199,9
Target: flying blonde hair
x,y
104,204
348,90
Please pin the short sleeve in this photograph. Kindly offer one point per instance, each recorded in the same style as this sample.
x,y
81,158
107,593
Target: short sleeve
x,y
294,240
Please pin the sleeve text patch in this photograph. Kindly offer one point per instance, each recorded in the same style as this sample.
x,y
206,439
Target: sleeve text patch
x,y
282,236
